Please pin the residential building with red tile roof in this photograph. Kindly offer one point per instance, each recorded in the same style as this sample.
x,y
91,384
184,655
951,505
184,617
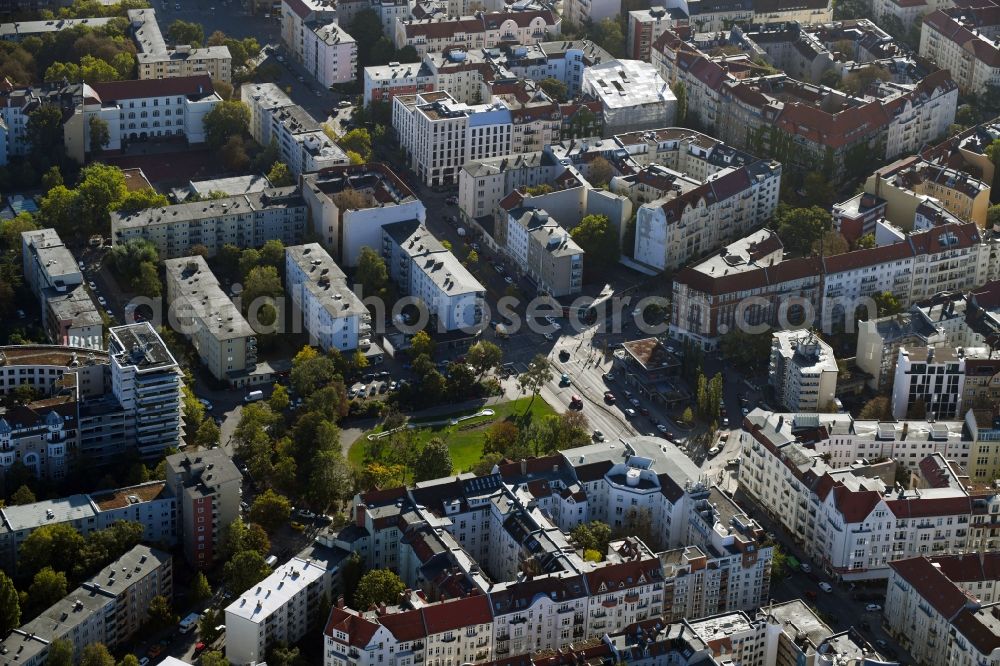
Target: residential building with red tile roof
x,y
961,40
483,30
813,473
930,598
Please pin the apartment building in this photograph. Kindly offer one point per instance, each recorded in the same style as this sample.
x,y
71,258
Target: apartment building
x,y
208,318
646,25
41,367
313,36
943,609
150,504
348,206
955,257
582,12
283,606
803,371
632,94
207,486
244,220
906,184
109,608
844,514
332,313
545,252
145,379
142,109
69,315
484,30
962,40
301,142
932,380
156,61
485,532
424,269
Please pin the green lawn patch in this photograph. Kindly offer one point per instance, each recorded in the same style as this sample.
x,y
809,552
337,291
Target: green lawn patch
x,y
465,440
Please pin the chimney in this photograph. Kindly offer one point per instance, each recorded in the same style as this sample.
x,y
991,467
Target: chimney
x,y
524,466
359,515
340,601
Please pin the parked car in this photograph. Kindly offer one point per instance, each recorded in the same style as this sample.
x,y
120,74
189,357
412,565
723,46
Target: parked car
x,y
714,451
575,402
102,301
564,380
508,279
634,401
805,568
873,608
609,397
92,285
598,436
826,587
629,412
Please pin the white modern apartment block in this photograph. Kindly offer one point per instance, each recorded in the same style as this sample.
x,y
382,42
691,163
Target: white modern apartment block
x,y
331,312
225,342
348,206
245,220
932,380
944,609
803,371
142,109
441,135
963,41
311,31
424,269
282,607
156,61
150,504
109,608
69,314
842,513
545,252
302,144
146,380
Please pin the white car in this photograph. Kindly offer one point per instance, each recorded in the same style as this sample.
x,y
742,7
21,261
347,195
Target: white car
x,y
662,428
102,300
826,587
81,264
873,608
548,336
804,567
92,285
508,279
714,451
629,412
206,404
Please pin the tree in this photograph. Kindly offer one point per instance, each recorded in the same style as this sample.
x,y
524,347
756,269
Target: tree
x,y
472,258
887,304
60,653
23,495
136,200
100,135
866,242
100,188
502,438
57,545
96,654
359,141
818,189
379,586
366,28
554,88
421,344
129,660
311,371
538,374
407,54
229,118
594,535
331,479
571,430
483,357
208,434
779,562
688,416
10,605
213,658
830,244
279,400
44,129
608,34
599,241
600,172
47,587
800,228
372,274
433,462
200,589
161,613
680,92
280,654
262,285
377,475
183,32
350,198
240,537
210,619
280,175
878,408
234,153
993,216
52,178
244,570
270,510
59,210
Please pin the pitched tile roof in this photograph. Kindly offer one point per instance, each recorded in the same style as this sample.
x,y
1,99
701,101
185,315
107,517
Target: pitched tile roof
x,y
452,615
137,89
359,630
931,584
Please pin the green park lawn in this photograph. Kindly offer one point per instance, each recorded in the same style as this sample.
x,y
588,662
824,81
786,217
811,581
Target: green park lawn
x,y
464,442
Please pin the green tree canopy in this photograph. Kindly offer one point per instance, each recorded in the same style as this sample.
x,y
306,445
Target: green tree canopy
x,y
270,510
555,89
60,653
800,228
376,587
10,606
47,587
280,175
433,462
228,119
58,546
240,537
244,570
599,240
96,654
184,32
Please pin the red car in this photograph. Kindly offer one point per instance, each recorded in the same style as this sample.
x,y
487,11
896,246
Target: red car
x,y
609,397
199,646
